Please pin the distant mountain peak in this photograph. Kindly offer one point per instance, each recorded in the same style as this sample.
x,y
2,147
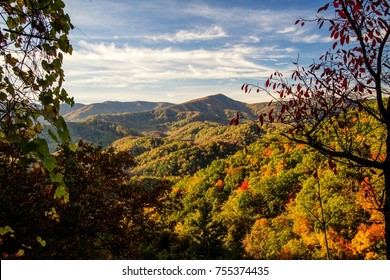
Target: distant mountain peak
x,y
112,108
218,96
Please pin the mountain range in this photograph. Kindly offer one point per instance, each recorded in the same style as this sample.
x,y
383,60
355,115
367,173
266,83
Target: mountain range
x,y
81,111
212,106
167,139
106,122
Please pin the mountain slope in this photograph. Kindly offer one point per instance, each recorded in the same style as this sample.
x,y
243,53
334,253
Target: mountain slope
x,y
65,108
189,149
111,107
163,121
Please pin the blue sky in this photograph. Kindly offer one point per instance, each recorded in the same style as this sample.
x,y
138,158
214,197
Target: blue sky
x,y
175,51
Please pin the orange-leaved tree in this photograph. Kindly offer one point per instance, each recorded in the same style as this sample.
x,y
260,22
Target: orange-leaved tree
x,y
339,105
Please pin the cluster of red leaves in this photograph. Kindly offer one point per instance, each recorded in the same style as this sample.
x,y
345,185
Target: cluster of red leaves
x,y
345,77
244,186
235,120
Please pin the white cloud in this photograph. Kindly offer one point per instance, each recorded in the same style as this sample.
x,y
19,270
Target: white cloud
x,y
267,23
111,66
303,35
263,20
203,34
311,39
287,29
250,39
177,47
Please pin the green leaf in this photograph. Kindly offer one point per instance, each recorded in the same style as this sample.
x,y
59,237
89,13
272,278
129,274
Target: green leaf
x,y
11,90
28,147
61,192
73,147
9,59
50,163
53,136
3,96
5,230
13,138
58,178
59,4
41,241
43,149
62,127
64,135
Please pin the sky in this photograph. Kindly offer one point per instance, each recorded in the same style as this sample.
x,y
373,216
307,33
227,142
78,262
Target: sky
x,y
176,51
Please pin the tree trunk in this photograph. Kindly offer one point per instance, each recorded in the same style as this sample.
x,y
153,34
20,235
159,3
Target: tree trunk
x,y
386,210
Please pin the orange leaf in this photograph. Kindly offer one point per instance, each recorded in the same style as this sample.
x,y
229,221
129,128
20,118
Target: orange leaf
x,y
244,186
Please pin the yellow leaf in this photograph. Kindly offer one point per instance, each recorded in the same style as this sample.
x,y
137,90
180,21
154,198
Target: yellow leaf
x,y
41,241
20,253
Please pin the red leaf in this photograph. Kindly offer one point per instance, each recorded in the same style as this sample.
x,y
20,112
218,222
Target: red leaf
x,y
244,186
261,119
258,128
246,88
283,109
332,165
342,14
267,83
378,13
326,7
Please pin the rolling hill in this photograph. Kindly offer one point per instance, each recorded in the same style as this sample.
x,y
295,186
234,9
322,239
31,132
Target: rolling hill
x,y
104,123
80,111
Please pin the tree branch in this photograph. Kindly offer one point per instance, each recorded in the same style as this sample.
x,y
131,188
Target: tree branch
x,y
339,154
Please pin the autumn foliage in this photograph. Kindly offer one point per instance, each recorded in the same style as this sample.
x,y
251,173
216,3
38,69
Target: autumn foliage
x,y
320,192
327,104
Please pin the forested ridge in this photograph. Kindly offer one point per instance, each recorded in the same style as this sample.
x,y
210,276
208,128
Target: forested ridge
x,y
203,191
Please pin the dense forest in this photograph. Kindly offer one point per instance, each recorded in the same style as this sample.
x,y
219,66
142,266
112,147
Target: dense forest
x,y
204,191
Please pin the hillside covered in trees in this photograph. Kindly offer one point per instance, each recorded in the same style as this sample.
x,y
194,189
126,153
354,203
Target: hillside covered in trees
x,y
196,188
